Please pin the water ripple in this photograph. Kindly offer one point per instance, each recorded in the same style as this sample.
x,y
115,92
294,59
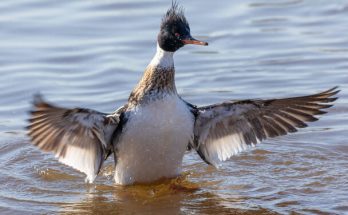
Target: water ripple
x,y
92,53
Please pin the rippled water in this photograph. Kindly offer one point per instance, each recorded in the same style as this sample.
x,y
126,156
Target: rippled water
x,y
92,53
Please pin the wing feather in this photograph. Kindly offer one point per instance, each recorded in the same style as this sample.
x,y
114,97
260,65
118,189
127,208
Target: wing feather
x,y
223,130
78,137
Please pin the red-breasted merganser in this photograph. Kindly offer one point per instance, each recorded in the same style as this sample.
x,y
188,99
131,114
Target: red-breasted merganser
x,y
150,134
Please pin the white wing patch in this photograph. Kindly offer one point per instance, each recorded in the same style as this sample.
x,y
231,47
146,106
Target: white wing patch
x,y
219,139
223,130
86,161
78,137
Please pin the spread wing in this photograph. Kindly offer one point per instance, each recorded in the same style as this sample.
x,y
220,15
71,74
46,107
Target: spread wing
x,y
223,130
78,137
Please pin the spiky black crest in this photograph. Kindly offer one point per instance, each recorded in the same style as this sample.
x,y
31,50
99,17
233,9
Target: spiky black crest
x,y
174,27
175,14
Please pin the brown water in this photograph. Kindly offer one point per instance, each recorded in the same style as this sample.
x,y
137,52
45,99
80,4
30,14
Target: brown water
x,y
91,53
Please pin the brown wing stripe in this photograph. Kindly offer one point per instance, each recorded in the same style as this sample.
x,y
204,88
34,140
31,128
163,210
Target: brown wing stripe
x,y
261,135
312,111
314,105
268,128
290,128
279,129
304,117
296,122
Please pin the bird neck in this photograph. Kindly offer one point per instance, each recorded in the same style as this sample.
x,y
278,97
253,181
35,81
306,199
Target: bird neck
x,y
162,59
158,79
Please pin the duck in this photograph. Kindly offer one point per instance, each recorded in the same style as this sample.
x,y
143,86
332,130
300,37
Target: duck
x,y
150,134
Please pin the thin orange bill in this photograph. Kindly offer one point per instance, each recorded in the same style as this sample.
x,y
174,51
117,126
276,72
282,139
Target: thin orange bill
x,y
194,42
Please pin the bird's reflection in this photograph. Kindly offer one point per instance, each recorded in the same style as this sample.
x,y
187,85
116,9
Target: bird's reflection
x,y
176,196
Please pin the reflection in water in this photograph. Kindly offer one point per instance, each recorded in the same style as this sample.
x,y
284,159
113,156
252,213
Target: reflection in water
x,y
177,196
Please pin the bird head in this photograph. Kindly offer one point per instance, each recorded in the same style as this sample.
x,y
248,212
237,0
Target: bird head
x,y
175,30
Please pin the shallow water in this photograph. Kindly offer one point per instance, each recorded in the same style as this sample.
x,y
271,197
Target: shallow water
x,y
91,54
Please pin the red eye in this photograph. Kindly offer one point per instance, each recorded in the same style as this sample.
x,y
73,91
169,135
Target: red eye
x,y
177,34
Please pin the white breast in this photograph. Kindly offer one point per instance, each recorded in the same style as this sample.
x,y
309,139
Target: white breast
x,y
154,141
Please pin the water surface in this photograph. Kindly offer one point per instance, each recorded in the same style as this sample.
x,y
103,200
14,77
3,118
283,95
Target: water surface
x,y
92,53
